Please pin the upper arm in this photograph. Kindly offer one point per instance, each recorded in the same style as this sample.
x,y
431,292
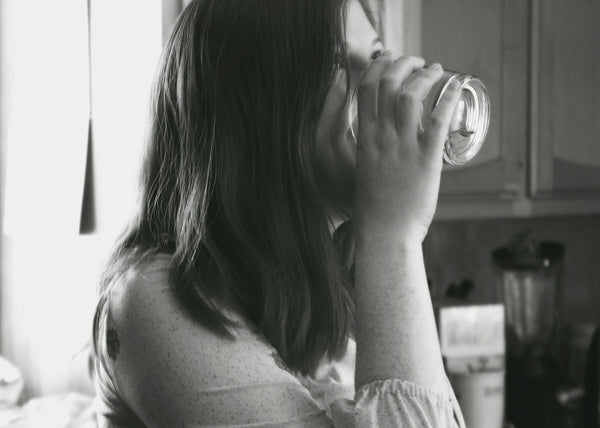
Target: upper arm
x,y
174,372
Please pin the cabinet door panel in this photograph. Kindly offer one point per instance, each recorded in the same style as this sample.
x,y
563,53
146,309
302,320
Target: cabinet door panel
x,y
566,99
487,39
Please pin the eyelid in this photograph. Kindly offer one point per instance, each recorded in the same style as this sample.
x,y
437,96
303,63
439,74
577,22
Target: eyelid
x,y
377,49
375,53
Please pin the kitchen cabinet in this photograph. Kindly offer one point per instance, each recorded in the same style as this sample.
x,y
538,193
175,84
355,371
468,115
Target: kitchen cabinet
x,y
540,62
565,100
487,39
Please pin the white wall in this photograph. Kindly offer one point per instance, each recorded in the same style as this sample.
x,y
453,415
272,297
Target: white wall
x,y
49,271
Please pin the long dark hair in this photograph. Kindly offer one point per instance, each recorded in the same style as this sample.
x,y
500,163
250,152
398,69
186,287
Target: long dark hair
x,y
229,184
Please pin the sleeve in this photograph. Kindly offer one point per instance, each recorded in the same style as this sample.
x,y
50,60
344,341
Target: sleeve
x,y
386,403
397,403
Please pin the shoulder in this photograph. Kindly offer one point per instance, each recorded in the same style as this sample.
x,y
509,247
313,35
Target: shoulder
x,y
169,368
142,281
138,292
145,311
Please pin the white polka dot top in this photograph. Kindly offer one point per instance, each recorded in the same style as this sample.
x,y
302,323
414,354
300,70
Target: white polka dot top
x,y
156,367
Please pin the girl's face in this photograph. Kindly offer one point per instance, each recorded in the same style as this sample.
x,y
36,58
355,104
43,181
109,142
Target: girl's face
x,y
336,143
361,42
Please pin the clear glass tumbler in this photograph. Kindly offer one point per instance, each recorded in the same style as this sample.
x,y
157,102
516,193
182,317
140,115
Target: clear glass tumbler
x,y
470,122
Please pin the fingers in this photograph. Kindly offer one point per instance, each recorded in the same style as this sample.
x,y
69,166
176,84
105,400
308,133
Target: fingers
x,y
392,94
439,121
409,103
424,80
392,82
407,116
369,88
384,80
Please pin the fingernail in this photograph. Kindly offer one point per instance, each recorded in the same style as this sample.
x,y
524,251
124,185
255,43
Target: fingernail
x,y
454,85
435,66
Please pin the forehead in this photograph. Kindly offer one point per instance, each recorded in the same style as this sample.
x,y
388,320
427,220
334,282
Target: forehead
x,y
361,37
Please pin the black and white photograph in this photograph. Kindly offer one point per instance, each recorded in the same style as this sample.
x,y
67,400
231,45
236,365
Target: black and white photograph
x,y
300,213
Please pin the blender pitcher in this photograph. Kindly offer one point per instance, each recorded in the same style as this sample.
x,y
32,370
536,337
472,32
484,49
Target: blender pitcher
x,y
527,278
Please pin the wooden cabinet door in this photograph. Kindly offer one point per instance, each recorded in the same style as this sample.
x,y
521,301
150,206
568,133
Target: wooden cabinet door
x,y
486,38
565,114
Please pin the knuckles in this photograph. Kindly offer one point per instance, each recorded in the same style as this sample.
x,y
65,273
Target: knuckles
x,y
367,86
416,61
408,100
435,121
388,81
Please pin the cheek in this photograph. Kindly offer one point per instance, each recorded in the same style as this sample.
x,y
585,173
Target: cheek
x,y
352,126
336,151
342,165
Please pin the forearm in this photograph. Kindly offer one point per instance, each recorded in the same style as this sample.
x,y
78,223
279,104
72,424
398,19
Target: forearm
x,y
395,328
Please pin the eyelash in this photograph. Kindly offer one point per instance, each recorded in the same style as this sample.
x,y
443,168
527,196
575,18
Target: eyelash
x,y
375,54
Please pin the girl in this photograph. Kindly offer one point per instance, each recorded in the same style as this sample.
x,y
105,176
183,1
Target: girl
x,y
229,300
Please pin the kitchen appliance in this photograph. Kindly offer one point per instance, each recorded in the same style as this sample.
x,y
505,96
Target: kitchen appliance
x,y
592,383
528,277
473,347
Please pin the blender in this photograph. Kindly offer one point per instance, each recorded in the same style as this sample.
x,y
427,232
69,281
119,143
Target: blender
x,y
528,281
